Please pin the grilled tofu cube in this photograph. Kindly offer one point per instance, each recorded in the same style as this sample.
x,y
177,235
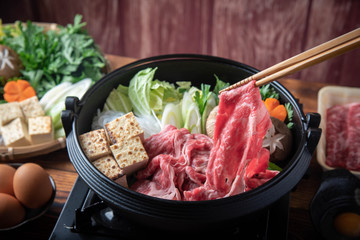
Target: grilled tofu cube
x,y
40,129
9,112
109,167
15,133
130,154
124,127
31,107
95,144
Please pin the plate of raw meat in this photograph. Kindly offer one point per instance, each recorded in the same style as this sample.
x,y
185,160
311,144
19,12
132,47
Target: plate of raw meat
x,y
339,146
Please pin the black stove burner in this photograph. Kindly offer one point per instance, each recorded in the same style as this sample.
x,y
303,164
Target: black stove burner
x,y
86,216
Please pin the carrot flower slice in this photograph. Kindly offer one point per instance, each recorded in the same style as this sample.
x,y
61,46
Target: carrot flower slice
x,y
18,90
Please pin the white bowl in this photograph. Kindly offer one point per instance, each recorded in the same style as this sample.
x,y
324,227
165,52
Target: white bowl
x,y
327,97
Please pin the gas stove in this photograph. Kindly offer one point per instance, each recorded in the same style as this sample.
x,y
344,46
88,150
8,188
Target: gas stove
x,y
86,216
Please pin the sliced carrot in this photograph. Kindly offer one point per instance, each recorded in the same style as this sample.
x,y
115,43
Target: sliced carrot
x,y
22,84
18,90
11,87
279,112
10,97
27,93
271,103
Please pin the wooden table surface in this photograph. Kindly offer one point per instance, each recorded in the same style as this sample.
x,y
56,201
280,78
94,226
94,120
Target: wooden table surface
x,y
58,165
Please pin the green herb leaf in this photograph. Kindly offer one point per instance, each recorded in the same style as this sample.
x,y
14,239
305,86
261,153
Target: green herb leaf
x,y
267,92
201,98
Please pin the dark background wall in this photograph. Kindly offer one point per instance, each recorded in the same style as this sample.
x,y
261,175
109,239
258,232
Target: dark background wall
x,y
259,33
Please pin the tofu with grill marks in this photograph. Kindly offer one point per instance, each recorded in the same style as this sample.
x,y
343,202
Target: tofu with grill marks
x,y
95,144
130,154
109,167
124,127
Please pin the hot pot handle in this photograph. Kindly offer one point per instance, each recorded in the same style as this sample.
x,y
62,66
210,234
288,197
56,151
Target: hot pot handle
x,y
313,132
67,115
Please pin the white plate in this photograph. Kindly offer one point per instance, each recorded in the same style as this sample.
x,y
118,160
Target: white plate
x,y
327,97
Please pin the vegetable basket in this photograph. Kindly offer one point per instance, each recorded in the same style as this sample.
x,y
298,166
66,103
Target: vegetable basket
x,y
8,154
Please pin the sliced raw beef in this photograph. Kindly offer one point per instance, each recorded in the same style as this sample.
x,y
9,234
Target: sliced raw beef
x,y
353,157
178,162
343,136
336,126
241,124
186,166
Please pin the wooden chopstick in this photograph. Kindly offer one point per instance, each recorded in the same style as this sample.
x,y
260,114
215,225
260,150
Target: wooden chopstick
x,y
303,60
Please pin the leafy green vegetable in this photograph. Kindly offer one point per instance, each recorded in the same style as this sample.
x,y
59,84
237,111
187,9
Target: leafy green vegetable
x,y
267,92
273,166
55,56
218,87
290,114
139,91
201,98
161,93
118,100
210,104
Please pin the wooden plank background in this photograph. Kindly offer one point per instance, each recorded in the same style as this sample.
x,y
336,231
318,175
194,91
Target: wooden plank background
x,y
256,32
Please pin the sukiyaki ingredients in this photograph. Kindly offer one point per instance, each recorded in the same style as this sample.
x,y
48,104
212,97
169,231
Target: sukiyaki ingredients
x,y
348,224
18,90
278,140
31,108
55,95
343,136
172,115
192,119
77,90
118,100
40,129
25,123
268,92
109,167
123,127
241,124
95,144
284,113
67,54
15,133
206,101
118,150
186,166
220,85
276,109
130,154
210,122
147,94
10,63
178,161
150,124
9,112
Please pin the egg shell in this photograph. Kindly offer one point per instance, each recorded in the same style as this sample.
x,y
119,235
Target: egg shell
x,y
6,179
11,211
32,186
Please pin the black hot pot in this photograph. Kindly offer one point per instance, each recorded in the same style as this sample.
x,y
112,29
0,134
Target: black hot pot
x,y
181,215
